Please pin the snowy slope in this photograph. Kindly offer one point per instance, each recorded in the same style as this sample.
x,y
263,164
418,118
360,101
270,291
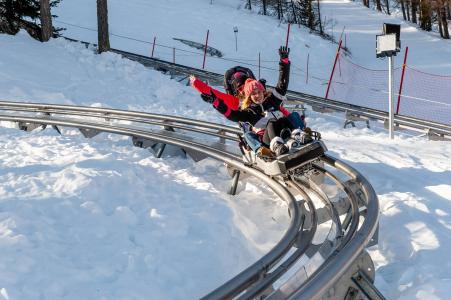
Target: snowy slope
x,y
99,219
134,25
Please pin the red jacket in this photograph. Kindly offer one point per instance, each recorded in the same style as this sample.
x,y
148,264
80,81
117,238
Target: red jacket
x,y
231,101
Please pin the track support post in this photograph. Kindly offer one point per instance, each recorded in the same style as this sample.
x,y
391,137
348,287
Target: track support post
x,y
235,180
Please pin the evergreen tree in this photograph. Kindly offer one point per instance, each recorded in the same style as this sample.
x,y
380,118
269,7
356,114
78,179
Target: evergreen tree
x,y
22,14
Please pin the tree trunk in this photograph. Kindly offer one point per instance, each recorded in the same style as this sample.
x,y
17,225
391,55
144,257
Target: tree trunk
x,y
408,10
46,21
444,23
102,26
387,3
249,5
439,18
378,5
279,3
420,11
310,16
366,3
403,8
426,15
294,13
448,9
319,18
264,7
414,11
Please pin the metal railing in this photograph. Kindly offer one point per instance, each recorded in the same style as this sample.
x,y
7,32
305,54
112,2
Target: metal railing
x,y
340,250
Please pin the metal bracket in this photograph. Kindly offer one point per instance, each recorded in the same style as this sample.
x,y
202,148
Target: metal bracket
x,y
222,139
234,185
322,109
89,133
26,126
356,282
395,125
366,285
350,118
434,136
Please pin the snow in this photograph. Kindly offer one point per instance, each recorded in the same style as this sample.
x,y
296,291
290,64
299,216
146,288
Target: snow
x,y
100,219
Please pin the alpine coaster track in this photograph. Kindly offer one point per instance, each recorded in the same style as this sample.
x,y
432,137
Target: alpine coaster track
x,y
322,253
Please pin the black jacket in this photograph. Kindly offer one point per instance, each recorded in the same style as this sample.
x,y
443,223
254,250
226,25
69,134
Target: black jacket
x,y
255,112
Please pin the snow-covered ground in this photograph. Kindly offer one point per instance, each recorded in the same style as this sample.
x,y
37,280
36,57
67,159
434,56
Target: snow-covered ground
x,y
99,219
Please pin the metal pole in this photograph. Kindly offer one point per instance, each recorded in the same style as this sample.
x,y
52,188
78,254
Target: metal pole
x,y
153,46
205,49
402,80
288,35
258,65
391,98
333,69
236,42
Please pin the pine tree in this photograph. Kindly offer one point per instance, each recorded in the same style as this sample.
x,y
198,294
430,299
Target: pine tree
x,y
22,14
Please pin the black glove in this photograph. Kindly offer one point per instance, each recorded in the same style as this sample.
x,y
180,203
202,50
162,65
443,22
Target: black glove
x,y
283,52
209,98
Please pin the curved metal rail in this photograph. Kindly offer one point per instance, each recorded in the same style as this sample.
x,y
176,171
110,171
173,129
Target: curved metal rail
x,y
343,245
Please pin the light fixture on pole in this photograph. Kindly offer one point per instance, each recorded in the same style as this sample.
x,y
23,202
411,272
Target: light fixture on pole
x,y
387,45
235,30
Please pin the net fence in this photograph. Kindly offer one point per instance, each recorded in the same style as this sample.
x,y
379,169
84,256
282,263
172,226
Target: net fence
x,y
423,95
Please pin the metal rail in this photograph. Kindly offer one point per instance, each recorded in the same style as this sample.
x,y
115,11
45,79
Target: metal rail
x,y
258,279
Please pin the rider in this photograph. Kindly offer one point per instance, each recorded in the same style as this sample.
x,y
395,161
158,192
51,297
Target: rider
x,y
262,109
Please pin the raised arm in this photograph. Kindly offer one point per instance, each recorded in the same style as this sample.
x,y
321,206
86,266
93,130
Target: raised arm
x,y
284,71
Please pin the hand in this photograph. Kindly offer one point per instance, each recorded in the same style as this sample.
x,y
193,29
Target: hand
x,y
209,98
283,52
191,79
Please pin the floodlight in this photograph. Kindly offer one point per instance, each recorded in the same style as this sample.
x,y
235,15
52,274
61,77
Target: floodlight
x,y
386,45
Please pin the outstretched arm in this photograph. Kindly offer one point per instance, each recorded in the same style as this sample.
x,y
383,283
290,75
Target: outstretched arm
x,y
204,88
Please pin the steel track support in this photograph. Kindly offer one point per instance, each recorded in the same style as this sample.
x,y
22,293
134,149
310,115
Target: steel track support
x,y
366,285
235,180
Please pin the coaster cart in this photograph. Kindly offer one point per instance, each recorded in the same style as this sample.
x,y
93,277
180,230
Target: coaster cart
x,y
297,162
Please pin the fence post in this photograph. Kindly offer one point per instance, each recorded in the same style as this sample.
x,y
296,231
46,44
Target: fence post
x,y
402,79
308,58
153,46
333,68
288,35
258,65
173,55
205,49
